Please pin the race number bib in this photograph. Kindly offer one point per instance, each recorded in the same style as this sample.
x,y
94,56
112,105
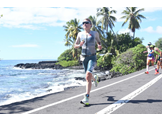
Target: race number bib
x,y
82,58
149,58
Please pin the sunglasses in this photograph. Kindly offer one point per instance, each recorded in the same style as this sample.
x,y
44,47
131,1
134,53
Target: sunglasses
x,y
86,22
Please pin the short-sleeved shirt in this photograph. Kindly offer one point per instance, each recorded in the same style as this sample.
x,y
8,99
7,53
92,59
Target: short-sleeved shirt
x,y
88,47
148,50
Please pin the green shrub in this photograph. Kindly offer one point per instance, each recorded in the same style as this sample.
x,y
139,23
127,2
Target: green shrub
x,y
104,61
68,63
130,61
66,56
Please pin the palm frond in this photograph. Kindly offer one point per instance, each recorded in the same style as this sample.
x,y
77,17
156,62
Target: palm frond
x,y
128,9
141,16
142,9
133,9
125,12
113,11
126,20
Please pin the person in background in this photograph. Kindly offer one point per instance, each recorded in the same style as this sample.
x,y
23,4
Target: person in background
x,y
158,53
150,58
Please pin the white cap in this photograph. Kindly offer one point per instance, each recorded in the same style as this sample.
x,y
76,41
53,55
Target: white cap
x,y
149,43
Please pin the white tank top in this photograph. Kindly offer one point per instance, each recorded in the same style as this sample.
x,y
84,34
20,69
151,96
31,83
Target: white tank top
x,y
88,47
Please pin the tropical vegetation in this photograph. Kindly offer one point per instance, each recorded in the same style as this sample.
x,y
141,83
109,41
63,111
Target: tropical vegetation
x,y
158,43
131,60
117,44
72,29
68,63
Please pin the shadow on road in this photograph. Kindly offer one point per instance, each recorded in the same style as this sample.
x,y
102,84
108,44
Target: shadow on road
x,y
111,98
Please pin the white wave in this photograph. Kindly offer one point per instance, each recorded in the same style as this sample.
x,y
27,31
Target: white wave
x,y
22,77
54,88
17,68
47,74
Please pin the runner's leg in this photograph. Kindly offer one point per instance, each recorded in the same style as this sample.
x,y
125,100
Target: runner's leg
x,y
89,82
147,65
158,64
85,100
152,61
89,76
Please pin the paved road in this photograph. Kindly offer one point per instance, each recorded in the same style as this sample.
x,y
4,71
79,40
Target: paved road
x,y
108,93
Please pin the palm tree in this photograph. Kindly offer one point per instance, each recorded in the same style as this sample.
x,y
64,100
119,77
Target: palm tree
x,y
107,19
134,18
112,46
72,29
96,25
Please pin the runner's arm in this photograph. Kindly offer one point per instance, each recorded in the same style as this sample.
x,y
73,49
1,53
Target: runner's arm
x,y
77,42
98,41
156,58
152,52
97,38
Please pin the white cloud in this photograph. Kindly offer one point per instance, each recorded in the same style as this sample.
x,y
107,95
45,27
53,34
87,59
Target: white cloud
x,y
123,31
39,17
152,9
151,30
34,17
25,45
159,29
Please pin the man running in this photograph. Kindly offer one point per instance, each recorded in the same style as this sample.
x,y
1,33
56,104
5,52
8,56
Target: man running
x,y
158,58
148,48
150,58
86,40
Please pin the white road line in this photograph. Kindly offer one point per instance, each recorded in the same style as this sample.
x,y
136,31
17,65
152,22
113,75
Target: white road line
x,y
37,109
127,98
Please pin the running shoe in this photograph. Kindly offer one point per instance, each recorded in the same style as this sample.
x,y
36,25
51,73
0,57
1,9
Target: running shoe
x,y
156,72
96,81
146,72
85,100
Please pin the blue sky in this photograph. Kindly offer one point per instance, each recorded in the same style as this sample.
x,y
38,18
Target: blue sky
x,y
36,32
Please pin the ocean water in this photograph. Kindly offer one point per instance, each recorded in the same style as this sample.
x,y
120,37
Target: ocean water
x,y
22,84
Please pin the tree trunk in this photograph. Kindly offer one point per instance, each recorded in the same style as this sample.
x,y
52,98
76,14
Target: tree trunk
x,y
114,35
133,35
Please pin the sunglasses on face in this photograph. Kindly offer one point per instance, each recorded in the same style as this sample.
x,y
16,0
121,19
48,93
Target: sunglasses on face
x,y
86,22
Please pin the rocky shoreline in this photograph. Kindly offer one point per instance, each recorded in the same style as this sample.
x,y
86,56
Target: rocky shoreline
x,y
102,72
40,65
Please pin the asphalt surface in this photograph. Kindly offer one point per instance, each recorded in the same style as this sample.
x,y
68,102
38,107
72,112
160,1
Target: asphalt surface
x,y
107,93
